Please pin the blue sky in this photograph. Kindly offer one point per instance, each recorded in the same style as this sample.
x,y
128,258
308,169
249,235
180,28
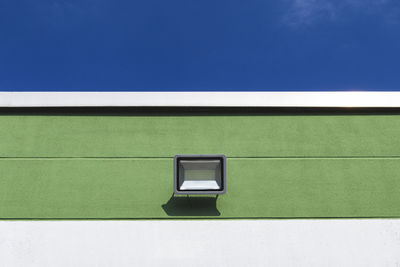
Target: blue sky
x,y
186,45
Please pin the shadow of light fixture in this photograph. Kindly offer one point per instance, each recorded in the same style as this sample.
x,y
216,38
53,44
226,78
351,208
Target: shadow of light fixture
x,y
191,206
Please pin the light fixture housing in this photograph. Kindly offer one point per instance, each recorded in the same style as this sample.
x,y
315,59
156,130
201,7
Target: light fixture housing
x,y
199,174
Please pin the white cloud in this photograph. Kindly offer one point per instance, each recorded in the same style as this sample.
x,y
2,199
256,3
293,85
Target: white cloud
x,y
309,11
306,12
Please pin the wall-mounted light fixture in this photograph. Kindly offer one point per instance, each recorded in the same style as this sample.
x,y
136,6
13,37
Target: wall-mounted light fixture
x,y
199,174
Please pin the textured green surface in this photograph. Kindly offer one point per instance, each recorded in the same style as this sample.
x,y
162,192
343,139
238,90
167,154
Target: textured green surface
x,y
137,188
79,167
165,136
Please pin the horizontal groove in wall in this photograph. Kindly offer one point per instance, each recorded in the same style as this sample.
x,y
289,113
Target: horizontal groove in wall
x,y
171,158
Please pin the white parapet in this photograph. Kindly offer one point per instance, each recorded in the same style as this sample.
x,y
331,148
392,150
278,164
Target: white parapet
x,y
200,99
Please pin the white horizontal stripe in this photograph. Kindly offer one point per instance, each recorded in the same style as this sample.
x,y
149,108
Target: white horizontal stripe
x,y
200,99
201,243
199,185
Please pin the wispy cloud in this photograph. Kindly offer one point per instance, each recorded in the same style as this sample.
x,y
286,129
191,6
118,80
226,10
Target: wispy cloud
x,y
307,12
304,12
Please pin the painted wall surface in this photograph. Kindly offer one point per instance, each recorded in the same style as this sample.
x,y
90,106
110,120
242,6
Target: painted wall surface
x,y
119,166
304,243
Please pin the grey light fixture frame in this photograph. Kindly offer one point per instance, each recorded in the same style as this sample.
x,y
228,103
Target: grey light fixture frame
x,y
200,192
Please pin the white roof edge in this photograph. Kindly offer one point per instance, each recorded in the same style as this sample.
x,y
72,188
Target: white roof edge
x,y
200,99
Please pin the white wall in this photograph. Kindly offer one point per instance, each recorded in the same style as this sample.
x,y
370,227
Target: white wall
x,y
201,243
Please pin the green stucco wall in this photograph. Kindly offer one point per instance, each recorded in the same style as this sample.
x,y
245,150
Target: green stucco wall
x,y
100,166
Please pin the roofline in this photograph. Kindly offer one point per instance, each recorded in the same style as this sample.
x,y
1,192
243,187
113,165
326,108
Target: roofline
x,y
200,99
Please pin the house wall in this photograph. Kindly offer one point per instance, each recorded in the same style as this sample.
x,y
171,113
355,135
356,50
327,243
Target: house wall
x,y
118,164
